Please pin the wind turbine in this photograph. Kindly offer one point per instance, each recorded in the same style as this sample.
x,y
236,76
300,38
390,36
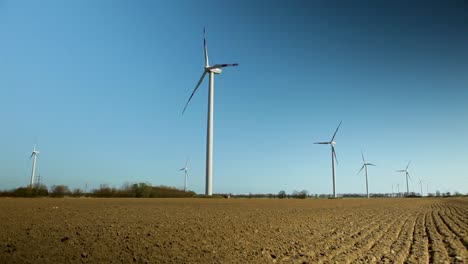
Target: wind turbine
x,y
364,166
407,176
420,185
332,144
211,70
185,169
34,153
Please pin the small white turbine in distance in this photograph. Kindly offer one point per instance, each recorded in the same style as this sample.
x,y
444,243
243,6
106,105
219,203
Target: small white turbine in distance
x,y
420,185
407,176
332,144
33,154
211,70
185,169
364,166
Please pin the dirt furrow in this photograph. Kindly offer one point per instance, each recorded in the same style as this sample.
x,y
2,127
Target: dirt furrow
x,y
401,247
437,251
419,248
456,216
455,228
322,248
461,214
357,241
381,250
455,224
455,248
367,243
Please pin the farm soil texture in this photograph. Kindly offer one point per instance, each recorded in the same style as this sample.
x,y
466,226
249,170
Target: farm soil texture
x,y
185,230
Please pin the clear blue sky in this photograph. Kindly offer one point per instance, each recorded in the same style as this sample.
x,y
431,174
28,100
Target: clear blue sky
x,y
99,86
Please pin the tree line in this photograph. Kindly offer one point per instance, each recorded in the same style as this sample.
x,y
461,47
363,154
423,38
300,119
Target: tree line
x,y
144,190
135,190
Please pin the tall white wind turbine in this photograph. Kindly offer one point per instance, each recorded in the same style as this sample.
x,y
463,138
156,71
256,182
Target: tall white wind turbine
x,y
185,169
332,144
407,176
33,154
364,166
211,70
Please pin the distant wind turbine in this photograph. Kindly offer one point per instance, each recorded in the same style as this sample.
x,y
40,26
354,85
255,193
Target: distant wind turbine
x,y
407,176
364,166
34,153
332,144
420,185
185,169
211,70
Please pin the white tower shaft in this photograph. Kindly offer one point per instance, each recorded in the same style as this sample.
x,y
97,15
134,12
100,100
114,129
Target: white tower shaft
x,y
367,185
33,170
333,173
185,185
209,138
407,186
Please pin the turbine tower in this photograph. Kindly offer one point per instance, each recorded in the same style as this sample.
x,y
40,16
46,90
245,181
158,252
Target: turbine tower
x,y
211,70
420,185
185,169
332,144
407,176
364,166
34,153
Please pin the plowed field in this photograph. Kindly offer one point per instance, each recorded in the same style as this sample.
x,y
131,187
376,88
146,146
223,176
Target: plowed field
x,y
233,230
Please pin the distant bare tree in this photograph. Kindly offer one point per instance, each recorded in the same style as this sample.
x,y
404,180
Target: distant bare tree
x,y
60,190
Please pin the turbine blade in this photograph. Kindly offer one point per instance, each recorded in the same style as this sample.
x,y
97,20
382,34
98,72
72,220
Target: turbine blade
x,y
400,171
370,164
407,173
194,90
186,162
361,169
334,154
31,155
205,48
336,131
182,169
363,158
216,66
325,143
408,165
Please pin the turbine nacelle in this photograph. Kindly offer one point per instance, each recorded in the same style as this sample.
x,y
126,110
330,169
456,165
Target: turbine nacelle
x,y
214,70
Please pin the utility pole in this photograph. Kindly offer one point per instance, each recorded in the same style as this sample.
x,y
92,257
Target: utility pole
x,y
39,180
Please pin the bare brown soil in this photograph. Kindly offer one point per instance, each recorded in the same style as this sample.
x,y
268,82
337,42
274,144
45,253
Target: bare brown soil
x,y
82,230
